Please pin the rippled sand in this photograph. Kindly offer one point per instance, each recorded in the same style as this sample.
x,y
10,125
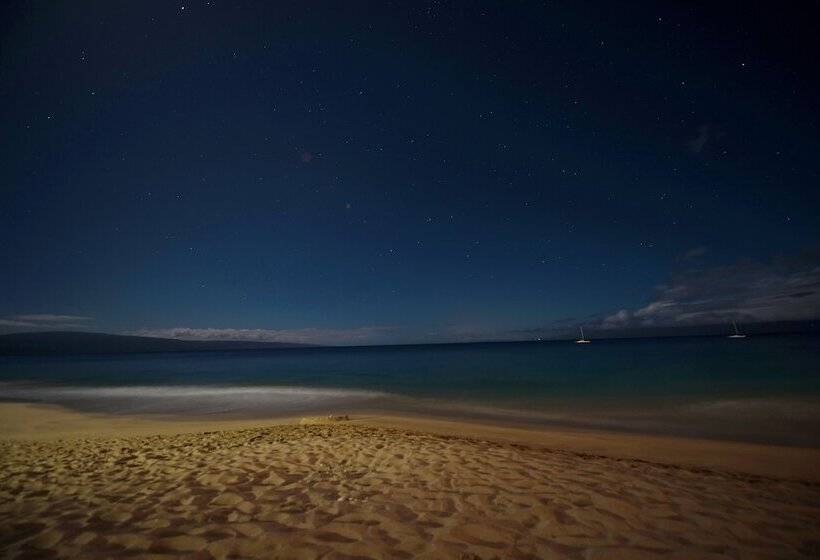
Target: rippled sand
x,y
348,490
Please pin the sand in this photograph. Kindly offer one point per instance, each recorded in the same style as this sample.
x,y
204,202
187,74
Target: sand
x,y
381,487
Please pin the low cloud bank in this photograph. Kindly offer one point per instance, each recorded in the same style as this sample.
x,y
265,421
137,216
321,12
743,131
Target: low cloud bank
x,y
353,336
784,289
781,290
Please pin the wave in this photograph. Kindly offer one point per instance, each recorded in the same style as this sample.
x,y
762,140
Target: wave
x,y
790,407
191,399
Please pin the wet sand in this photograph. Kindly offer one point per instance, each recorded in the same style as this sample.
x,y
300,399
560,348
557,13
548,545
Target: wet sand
x,y
89,486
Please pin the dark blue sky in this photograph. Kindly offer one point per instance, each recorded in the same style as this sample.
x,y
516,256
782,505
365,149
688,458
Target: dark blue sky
x,y
362,173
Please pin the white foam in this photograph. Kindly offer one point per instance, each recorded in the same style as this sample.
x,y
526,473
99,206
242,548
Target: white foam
x,y
205,399
759,407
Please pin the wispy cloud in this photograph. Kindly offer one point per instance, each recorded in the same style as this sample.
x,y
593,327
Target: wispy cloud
x,y
352,336
694,253
48,318
45,321
699,142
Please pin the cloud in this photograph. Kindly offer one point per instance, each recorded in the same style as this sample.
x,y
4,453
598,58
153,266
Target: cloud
x,y
13,323
694,253
783,289
47,318
353,336
699,142
44,321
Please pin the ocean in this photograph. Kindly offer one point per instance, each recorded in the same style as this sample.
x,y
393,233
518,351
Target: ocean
x,y
762,388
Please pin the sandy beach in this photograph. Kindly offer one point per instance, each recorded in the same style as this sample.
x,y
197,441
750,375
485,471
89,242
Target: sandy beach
x,y
88,486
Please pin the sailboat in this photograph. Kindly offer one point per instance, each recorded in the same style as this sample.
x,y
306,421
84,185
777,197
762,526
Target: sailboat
x,y
582,340
737,333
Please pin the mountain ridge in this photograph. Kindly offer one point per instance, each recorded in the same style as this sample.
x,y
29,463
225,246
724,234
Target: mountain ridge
x,y
74,342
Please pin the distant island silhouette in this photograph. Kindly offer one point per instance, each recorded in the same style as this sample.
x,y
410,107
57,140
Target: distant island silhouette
x,y
70,342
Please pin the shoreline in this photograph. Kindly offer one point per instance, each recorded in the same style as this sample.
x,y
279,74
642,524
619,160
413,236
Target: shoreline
x,y
778,419
47,422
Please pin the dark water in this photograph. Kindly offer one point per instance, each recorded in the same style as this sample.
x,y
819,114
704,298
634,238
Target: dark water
x,y
763,388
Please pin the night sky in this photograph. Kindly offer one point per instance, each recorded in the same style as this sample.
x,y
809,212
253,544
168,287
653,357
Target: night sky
x,y
405,172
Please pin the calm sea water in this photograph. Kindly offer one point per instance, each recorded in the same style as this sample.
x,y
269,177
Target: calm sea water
x,y
763,388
